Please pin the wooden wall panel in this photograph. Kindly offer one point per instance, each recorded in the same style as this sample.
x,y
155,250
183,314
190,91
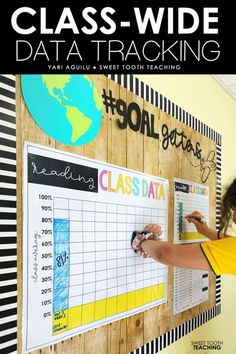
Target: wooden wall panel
x,y
135,160
136,151
151,166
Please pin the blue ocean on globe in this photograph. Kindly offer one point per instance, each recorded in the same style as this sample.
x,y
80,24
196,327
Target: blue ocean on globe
x,y
68,108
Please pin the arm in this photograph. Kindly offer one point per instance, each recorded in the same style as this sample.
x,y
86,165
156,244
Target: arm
x,y
182,256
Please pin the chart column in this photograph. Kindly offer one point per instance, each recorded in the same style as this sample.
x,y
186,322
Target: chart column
x,y
61,268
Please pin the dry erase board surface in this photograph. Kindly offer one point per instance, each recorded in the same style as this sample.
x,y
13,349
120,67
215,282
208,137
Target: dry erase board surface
x,y
146,140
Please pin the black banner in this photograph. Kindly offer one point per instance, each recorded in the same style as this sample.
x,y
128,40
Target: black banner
x,y
117,37
181,187
52,172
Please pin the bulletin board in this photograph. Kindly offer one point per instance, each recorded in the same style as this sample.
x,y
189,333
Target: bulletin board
x,y
145,133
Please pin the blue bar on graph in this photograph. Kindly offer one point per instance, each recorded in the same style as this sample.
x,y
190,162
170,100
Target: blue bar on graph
x,y
61,264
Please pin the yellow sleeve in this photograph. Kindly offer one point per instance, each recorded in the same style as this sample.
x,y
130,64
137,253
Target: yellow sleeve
x,y
221,254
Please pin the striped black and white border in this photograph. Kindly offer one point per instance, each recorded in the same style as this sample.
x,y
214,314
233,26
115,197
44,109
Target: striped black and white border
x,y
8,266
218,212
147,93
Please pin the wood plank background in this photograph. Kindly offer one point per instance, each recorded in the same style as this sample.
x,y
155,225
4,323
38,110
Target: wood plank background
x,y
136,151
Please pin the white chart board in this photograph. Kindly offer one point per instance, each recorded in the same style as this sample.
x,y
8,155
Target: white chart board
x,y
191,287
188,197
79,270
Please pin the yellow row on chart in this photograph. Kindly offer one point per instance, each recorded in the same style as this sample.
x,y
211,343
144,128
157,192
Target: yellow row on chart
x,y
81,315
191,236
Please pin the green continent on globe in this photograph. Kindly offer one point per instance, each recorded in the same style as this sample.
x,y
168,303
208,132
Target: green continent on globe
x,y
96,97
79,122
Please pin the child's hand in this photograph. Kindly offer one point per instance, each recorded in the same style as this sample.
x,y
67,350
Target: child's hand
x,y
139,238
137,243
201,226
153,228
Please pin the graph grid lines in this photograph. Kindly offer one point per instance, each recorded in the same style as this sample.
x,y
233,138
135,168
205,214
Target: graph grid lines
x,y
96,275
